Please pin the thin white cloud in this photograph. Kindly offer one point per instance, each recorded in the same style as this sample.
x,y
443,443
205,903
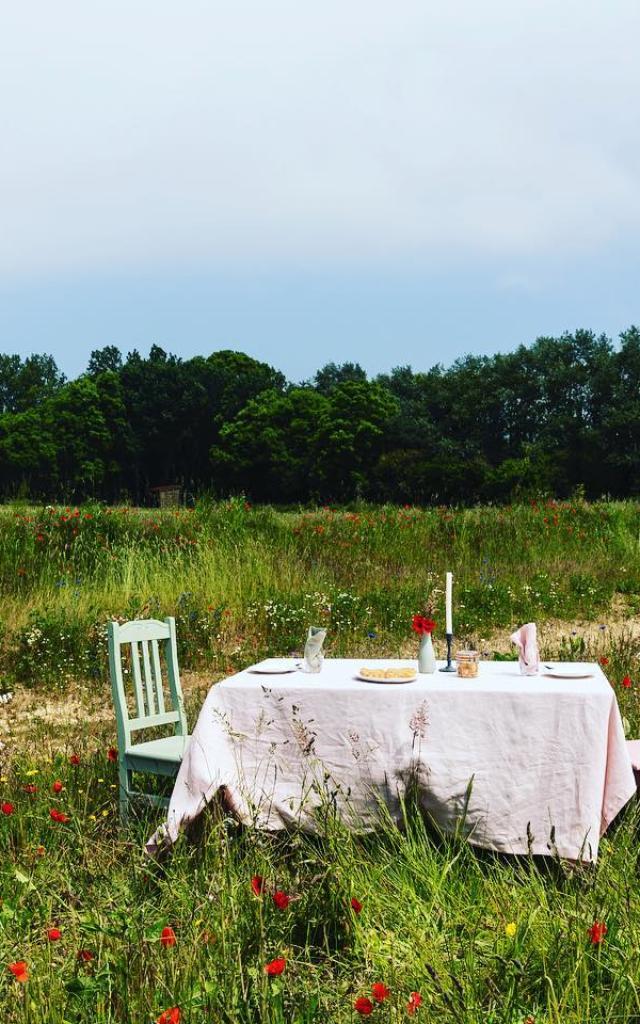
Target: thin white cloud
x,y
147,134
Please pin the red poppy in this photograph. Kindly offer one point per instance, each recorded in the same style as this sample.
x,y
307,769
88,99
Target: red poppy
x,y
363,1006
20,971
281,899
356,905
626,682
257,884
59,816
53,934
112,754
171,1016
380,992
168,937
30,788
420,624
74,759
85,955
40,851
415,1001
57,786
603,661
597,932
275,967
6,808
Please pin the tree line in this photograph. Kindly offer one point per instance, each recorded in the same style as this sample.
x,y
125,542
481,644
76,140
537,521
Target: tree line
x,y
559,415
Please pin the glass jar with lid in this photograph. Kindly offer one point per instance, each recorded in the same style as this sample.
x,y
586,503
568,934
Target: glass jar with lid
x,y
467,663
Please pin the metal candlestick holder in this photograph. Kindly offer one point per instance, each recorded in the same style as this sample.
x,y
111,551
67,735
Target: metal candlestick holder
x,y
449,667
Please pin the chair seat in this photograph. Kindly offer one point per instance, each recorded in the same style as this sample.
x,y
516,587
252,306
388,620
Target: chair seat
x,y
161,757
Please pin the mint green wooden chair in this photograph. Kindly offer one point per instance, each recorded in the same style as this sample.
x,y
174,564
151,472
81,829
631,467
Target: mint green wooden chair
x,y
148,640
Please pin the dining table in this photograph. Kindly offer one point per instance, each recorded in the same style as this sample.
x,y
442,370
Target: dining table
x,y
518,764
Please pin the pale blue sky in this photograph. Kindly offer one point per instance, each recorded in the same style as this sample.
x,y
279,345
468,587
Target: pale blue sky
x,y
383,183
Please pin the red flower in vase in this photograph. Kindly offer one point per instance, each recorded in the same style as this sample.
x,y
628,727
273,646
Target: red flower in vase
x,y
420,624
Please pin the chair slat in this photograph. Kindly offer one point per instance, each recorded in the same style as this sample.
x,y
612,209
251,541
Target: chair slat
x,y
137,679
135,724
157,675
148,679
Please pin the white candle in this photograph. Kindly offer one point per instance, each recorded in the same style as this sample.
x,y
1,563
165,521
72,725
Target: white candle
x,y
449,617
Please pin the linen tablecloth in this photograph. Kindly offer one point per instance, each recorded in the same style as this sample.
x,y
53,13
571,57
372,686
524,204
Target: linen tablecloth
x,y
534,764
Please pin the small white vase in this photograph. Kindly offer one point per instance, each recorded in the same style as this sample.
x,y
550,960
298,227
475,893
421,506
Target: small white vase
x,y
426,655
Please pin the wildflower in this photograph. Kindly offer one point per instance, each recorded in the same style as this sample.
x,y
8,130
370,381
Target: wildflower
x,y
603,661
112,754
40,851
85,955
171,1016
59,816
275,967
281,899
363,1006
626,682
30,788
597,932
380,992
415,1002
168,937
6,808
74,759
20,971
356,905
57,786
420,624
257,884
510,929
53,934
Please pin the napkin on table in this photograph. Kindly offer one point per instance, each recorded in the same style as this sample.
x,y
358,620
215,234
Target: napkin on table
x,y
526,640
313,648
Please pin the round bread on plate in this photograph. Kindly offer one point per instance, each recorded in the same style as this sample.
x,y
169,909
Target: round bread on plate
x,y
394,674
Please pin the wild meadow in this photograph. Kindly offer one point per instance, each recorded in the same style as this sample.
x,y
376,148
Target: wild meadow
x,y
240,926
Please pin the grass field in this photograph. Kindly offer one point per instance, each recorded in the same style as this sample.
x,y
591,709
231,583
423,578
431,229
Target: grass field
x,y
481,939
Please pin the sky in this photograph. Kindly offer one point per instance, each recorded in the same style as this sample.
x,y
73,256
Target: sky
x,y
384,183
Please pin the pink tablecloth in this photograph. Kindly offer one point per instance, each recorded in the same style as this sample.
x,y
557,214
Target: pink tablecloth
x,y
539,764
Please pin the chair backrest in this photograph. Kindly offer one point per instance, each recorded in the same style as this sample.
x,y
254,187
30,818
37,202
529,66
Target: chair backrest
x,y
147,640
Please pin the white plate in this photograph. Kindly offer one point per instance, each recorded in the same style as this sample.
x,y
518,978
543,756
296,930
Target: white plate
x,y
274,667
568,673
389,679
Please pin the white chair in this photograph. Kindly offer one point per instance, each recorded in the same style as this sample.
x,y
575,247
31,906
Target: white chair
x,y
152,640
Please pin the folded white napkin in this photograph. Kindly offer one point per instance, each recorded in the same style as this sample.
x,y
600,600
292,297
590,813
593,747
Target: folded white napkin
x,y
313,648
526,640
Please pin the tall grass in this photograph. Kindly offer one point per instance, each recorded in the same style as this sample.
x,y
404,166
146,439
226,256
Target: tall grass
x,y
482,939
245,582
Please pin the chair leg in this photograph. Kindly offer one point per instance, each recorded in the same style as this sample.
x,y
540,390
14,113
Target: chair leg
x,y
124,776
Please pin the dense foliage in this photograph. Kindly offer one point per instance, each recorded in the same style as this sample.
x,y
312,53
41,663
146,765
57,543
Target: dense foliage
x,y
562,414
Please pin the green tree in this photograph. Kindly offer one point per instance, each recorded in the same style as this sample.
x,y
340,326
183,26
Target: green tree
x,y
269,450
